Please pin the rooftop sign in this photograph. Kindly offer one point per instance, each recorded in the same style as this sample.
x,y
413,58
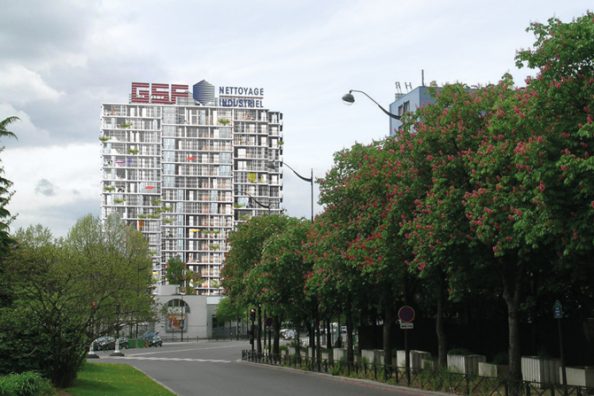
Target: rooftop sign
x,y
158,93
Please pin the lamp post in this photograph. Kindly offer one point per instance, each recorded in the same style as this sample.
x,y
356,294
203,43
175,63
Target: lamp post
x,y
349,99
310,180
183,311
261,204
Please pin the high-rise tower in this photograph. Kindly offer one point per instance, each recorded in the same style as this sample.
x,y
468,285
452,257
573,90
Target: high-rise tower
x,y
185,168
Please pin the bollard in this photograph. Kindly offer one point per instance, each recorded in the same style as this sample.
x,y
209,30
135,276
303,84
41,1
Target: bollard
x,y
117,351
91,354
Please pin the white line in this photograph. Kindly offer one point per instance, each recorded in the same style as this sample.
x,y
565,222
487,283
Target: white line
x,y
164,359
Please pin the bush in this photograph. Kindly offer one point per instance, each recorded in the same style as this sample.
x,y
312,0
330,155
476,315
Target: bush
x,y
28,383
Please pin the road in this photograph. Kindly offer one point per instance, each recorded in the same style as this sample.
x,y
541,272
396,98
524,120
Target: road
x,y
214,368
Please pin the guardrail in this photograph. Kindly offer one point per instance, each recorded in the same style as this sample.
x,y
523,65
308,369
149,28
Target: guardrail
x,y
434,380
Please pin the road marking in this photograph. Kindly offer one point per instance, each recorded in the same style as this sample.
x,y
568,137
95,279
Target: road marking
x,y
181,350
170,359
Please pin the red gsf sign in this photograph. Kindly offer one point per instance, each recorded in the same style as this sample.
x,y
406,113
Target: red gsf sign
x,y
157,93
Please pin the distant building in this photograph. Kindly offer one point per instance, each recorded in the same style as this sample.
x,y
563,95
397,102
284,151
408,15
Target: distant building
x,y
184,317
185,167
408,102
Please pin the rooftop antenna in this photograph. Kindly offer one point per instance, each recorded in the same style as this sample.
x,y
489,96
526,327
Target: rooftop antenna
x,y
422,77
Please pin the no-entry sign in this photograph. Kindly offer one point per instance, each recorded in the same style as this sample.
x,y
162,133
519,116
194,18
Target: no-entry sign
x,y
406,314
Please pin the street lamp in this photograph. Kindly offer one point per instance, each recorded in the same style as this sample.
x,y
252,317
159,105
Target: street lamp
x,y
349,99
260,203
183,311
310,180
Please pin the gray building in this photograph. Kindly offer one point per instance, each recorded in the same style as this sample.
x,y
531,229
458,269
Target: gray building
x,y
408,102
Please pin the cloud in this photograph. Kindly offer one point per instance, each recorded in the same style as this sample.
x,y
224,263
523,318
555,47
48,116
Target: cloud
x,y
45,187
21,85
74,168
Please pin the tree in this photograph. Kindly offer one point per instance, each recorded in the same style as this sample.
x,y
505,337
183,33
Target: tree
x,y
179,274
247,243
65,292
278,279
5,216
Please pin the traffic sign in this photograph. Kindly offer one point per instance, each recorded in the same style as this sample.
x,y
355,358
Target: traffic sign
x,y
406,314
407,325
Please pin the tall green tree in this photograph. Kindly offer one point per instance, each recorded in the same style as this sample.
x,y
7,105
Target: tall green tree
x,y
179,274
247,243
279,278
65,292
5,215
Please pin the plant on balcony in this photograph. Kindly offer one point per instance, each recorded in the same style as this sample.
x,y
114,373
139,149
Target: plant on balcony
x,y
133,151
251,176
224,121
104,138
214,246
119,200
125,125
109,188
156,202
238,205
167,220
166,209
142,216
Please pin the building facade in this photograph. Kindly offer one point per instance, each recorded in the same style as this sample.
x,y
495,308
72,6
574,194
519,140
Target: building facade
x,y
409,102
184,167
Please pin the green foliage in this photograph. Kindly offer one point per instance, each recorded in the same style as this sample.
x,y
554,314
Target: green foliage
x,y
179,274
28,383
247,242
5,216
65,292
228,310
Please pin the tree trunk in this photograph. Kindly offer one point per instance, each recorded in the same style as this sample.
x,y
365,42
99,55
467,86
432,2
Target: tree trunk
x,y
442,343
276,346
318,339
297,343
511,294
259,332
349,325
312,338
387,330
329,340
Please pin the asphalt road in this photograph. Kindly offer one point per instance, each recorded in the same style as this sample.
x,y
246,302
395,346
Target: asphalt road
x,y
215,368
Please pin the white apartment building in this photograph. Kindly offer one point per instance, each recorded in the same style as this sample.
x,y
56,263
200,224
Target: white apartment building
x,y
185,167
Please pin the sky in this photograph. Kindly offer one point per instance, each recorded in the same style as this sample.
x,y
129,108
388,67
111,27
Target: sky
x,y
60,60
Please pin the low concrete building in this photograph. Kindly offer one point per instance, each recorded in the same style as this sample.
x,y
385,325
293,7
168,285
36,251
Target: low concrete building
x,y
183,316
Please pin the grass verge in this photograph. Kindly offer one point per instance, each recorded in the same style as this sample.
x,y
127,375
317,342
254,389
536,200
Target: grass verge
x,y
114,379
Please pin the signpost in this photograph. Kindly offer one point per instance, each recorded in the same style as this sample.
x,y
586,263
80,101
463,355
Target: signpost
x,y
558,314
406,316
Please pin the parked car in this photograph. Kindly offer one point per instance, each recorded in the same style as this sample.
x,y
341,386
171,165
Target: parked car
x,y
287,334
152,338
104,343
123,342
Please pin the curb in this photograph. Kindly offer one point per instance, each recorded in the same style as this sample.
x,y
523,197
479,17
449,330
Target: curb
x,y
158,382
381,385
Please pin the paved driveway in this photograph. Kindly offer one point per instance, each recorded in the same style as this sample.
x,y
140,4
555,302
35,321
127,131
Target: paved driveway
x,y
215,368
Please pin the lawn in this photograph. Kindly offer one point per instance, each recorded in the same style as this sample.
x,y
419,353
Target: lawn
x,y
114,379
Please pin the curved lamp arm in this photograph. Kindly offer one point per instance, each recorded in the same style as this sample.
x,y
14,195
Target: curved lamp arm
x,y
350,99
307,179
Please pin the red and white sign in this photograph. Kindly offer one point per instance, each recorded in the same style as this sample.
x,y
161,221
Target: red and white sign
x,y
157,93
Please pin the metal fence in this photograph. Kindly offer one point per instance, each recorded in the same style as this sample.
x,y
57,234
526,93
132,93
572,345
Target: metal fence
x,y
433,380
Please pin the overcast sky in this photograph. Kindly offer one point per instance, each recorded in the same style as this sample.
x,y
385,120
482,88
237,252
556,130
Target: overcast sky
x,y
60,60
